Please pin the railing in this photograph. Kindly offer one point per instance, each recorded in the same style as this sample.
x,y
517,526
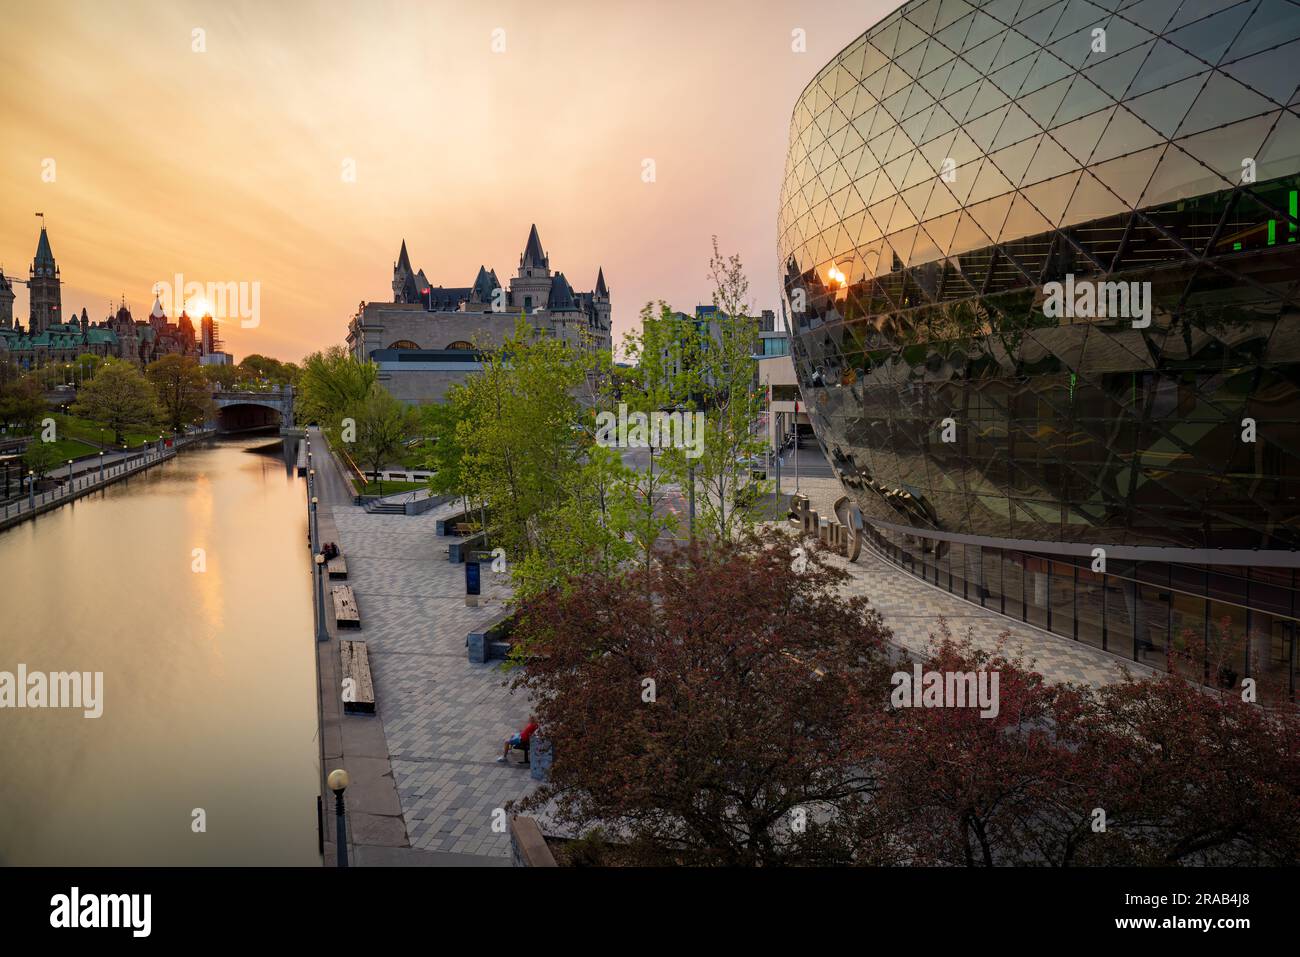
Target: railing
x,y
104,476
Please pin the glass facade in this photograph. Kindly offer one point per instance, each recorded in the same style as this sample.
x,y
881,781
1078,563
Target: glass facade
x,y
955,175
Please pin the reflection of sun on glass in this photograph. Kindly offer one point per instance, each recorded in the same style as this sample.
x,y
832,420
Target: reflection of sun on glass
x,y
835,275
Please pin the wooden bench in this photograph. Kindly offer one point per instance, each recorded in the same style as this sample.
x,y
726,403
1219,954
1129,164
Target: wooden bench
x,y
337,567
354,678
346,613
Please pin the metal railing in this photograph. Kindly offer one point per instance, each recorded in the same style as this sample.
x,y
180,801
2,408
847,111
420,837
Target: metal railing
x,y
92,479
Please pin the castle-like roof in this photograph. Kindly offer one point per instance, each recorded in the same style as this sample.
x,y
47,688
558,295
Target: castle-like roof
x,y
484,284
561,297
533,255
44,255
601,290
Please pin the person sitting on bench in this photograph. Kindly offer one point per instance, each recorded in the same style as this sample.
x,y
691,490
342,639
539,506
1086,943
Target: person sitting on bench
x,y
520,740
330,551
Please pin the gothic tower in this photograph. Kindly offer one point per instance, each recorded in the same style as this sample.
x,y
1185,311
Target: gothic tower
x,y
531,288
6,302
46,299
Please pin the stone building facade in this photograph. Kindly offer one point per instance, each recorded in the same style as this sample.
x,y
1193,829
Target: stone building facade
x,y
428,337
49,340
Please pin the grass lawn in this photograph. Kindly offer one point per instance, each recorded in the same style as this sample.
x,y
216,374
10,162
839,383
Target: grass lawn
x,y
92,433
69,449
389,488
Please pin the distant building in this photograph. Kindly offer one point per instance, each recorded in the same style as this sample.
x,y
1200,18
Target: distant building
x,y
425,339
47,339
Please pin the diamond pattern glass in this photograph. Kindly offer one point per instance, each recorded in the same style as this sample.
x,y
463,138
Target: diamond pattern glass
x,y
962,156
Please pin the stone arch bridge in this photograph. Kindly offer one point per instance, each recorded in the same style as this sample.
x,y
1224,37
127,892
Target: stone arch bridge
x,y
248,411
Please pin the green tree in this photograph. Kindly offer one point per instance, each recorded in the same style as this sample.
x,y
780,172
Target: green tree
x,y
120,397
41,458
656,384
264,370
87,365
331,383
719,375
382,425
223,375
516,440
21,401
183,390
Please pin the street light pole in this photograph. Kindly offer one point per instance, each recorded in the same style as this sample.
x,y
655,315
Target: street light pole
x,y
322,633
338,783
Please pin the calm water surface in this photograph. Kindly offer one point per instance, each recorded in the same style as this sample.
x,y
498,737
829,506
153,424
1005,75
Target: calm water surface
x,y
209,677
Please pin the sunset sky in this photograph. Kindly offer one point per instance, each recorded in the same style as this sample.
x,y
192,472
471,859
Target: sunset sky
x,y
227,165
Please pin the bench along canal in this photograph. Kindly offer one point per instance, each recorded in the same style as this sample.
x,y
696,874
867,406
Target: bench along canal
x,y
209,695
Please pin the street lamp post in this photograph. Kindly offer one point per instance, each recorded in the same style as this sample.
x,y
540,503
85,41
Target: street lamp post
x,y
69,475
31,489
322,633
101,465
338,783
315,526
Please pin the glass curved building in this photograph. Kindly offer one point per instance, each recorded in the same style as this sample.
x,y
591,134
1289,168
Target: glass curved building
x,y
1041,260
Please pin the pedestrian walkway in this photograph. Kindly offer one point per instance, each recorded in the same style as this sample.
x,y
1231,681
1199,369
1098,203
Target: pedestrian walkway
x,y
427,783
912,609
444,717
89,475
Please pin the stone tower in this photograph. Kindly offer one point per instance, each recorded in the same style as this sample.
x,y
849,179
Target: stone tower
x,y
531,288
600,300
46,298
6,302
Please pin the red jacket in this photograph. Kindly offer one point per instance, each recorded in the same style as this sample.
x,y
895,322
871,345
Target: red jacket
x,y
528,732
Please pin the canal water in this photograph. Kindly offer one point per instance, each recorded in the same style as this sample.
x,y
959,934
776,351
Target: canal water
x,y
208,665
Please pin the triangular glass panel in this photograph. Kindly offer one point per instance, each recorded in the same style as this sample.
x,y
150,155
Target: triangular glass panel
x,y
936,56
1178,177
1272,73
1023,220
1223,100
981,56
983,130
1209,38
1080,137
1050,198
1154,15
941,230
988,183
962,102
1277,157
1272,20
1128,176
1223,149
1166,64
1047,69
991,214
1165,109
1010,78
968,236
1125,133
1091,201
1014,160
1043,104
1083,99
1114,74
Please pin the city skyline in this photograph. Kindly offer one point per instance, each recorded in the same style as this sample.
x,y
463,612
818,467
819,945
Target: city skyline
x,y
223,155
